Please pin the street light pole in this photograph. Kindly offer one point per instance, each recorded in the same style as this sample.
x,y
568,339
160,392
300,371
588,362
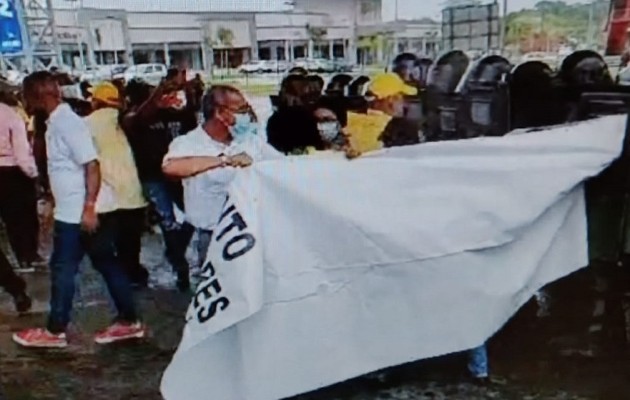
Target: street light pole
x,y
591,12
80,35
396,10
503,32
77,5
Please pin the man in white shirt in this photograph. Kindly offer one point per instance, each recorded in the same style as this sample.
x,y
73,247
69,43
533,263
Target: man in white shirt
x,y
206,158
75,181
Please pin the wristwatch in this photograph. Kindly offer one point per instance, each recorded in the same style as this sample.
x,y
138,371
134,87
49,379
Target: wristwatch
x,y
225,160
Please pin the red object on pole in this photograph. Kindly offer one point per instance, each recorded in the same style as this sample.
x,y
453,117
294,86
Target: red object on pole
x,y
618,25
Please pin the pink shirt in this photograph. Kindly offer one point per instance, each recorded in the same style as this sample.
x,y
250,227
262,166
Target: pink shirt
x,y
15,150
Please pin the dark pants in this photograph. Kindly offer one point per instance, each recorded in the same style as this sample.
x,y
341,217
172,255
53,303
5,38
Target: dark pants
x,y
9,281
203,244
176,236
18,210
70,246
129,229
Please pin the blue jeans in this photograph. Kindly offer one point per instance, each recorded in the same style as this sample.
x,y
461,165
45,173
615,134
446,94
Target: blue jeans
x,y
176,236
478,362
71,244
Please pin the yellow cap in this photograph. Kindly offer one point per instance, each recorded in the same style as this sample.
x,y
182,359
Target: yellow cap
x,y
390,84
107,93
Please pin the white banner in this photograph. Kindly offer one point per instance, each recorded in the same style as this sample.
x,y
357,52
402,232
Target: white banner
x,y
324,269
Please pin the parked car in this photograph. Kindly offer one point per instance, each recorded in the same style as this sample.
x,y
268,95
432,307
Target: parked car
x,y
319,65
342,65
151,73
254,66
276,66
92,74
301,63
323,65
118,71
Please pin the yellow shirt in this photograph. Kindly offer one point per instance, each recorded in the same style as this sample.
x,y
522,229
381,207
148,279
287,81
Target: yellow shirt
x,y
364,130
120,188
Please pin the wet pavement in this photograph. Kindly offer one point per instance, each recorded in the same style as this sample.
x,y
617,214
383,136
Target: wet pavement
x,y
577,352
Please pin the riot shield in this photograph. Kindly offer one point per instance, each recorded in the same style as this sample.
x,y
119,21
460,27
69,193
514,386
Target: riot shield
x,y
358,86
581,72
485,89
338,84
405,65
448,70
584,68
441,103
534,99
424,65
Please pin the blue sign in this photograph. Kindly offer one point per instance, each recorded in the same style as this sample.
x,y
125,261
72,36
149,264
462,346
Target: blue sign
x,y
10,29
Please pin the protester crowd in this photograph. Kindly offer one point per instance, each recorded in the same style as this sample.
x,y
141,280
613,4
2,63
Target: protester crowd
x,y
127,155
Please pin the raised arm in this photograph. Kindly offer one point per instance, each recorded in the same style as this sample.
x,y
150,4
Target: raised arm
x,y
186,167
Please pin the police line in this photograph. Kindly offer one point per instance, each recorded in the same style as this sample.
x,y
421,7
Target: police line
x,y
324,269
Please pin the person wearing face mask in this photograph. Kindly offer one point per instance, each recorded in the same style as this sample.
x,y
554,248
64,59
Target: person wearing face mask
x,y
292,128
330,131
384,124
150,128
206,159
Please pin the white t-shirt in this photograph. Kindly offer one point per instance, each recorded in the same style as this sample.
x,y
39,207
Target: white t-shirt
x,y
205,194
69,147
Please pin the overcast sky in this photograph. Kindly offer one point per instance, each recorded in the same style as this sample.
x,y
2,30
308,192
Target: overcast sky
x,y
408,9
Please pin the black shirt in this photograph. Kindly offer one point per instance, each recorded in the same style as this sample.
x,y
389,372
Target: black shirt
x,y
400,132
293,128
150,139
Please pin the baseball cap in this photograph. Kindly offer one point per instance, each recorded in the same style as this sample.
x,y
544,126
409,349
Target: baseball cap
x,y
390,84
107,93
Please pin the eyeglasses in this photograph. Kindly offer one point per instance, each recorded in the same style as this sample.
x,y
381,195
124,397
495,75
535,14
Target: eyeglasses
x,y
242,109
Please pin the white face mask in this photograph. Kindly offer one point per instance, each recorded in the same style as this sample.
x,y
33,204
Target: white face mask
x,y
328,130
243,127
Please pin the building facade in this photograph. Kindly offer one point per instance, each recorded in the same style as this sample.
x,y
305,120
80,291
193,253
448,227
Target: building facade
x,y
315,29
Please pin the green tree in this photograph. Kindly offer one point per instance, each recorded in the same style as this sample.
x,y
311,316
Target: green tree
x,y
556,21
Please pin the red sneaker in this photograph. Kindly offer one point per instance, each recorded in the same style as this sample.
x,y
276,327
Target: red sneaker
x,y
119,332
40,338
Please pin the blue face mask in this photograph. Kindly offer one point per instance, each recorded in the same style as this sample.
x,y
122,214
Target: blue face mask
x,y
243,127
